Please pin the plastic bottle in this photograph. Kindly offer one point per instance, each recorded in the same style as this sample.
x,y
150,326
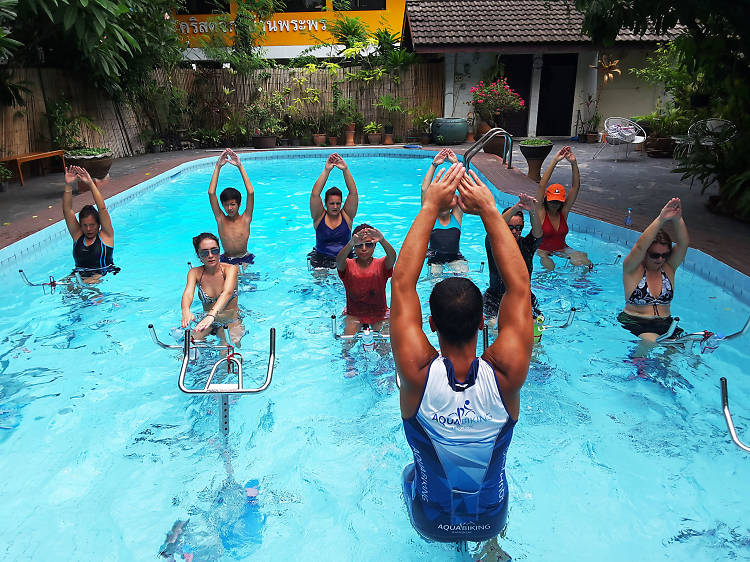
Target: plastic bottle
x,y
629,217
538,328
368,340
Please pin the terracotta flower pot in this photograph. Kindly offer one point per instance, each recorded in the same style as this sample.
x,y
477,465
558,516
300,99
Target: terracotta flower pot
x,y
333,141
374,138
388,138
318,139
349,137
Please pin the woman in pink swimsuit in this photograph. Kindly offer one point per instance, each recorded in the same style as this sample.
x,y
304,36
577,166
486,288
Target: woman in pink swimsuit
x,y
552,208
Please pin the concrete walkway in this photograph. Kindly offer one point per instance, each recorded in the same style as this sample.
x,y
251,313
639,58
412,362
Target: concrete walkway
x,y
608,188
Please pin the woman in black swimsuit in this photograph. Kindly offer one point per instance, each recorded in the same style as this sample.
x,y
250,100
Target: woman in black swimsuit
x,y
648,275
92,233
217,289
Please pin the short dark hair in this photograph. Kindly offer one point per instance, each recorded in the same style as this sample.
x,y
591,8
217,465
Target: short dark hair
x,y
230,194
89,211
333,191
360,227
456,308
201,237
518,213
663,237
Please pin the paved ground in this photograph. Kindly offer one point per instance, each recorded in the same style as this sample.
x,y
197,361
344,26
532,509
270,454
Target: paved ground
x,y
608,188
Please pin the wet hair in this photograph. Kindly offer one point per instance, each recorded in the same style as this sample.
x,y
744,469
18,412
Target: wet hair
x,y
361,227
456,308
230,194
662,237
201,237
516,214
89,211
333,191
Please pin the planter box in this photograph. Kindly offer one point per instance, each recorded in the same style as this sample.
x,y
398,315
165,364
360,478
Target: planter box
x,y
266,141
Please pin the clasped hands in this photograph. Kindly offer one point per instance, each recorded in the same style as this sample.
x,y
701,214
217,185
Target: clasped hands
x,y
229,156
456,186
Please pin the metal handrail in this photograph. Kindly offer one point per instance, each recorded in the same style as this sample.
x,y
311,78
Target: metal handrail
x,y
728,416
484,139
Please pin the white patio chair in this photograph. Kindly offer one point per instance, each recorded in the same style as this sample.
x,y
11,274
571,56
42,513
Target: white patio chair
x,y
621,131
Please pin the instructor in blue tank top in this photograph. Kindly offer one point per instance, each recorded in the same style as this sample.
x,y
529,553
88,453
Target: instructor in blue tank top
x,y
459,410
332,221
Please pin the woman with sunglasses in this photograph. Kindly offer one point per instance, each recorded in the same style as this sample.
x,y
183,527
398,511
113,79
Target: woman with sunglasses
x,y
648,275
217,289
365,278
553,208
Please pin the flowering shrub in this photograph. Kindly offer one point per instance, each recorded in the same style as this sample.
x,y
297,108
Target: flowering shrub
x,y
491,101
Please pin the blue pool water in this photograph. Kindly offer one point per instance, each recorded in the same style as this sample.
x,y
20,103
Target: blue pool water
x,y
100,453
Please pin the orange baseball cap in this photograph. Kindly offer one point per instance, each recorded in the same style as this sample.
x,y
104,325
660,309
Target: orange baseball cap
x,y
556,192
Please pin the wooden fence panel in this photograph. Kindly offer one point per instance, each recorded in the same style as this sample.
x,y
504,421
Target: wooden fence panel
x,y
27,129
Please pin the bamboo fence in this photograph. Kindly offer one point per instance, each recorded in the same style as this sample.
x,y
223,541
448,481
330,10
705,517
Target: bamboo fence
x,y
27,129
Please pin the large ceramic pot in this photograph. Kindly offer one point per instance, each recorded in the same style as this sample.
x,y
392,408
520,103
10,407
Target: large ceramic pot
x,y
97,166
660,147
374,138
452,129
265,141
318,139
535,155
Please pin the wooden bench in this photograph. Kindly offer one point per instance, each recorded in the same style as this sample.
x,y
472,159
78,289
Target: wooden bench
x,y
29,156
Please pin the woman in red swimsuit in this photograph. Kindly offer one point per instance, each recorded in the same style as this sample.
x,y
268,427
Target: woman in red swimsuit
x,y
552,208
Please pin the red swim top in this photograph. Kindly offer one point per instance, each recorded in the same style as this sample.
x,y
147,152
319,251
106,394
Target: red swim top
x,y
365,289
553,240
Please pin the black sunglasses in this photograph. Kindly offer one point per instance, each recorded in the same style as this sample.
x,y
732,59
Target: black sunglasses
x,y
657,255
204,253
516,227
365,245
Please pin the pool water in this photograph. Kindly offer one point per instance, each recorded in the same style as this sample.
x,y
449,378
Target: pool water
x,y
613,458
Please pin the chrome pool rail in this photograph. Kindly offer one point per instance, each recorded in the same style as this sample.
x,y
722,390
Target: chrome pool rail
x,y
232,360
728,416
75,281
484,139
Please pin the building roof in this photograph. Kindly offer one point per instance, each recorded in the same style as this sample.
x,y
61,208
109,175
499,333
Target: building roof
x,y
449,25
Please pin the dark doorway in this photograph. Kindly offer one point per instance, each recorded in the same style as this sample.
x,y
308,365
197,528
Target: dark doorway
x,y
556,95
518,72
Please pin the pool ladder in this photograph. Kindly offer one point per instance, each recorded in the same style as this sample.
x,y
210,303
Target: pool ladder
x,y
487,137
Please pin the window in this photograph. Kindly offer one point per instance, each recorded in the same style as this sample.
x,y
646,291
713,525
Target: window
x,y
304,5
204,7
353,5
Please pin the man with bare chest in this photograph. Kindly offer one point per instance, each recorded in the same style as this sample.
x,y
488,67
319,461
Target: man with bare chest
x,y
234,228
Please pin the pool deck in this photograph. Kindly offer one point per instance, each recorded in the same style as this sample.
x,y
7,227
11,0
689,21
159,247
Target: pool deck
x,y
608,188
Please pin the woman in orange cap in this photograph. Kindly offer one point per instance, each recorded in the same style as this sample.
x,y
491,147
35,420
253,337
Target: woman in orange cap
x,y
553,208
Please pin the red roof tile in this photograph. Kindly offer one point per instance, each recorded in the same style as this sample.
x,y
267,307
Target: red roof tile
x,y
448,24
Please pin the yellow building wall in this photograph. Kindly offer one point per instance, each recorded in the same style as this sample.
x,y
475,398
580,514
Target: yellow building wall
x,y
288,28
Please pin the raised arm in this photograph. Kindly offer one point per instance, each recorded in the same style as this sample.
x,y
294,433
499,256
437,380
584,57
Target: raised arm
x,y
436,161
411,349
316,202
105,221
187,297
67,205
542,187
526,203
575,183
682,243
215,207
234,160
230,283
351,203
511,351
671,211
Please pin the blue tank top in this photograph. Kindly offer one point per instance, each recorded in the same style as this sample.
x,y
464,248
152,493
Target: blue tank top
x,y
459,438
445,239
92,259
329,241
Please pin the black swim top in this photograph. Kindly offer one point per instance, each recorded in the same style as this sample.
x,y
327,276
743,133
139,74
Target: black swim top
x,y
204,298
642,296
94,258
445,239
329,241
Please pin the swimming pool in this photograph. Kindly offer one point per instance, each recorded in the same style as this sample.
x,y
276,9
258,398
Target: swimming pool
x,y
102,454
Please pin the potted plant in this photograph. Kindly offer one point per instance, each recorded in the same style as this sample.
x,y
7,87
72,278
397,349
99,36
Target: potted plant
x,y
661,125
372,130
348,117
422,119
491,102
535,151
390,106
156,145
66,134
263,117
5,176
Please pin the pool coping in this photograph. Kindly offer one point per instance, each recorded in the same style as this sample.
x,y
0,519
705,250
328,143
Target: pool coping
x,y
696,261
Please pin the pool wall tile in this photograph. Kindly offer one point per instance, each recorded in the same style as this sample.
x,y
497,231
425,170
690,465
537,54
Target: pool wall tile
x,y
696,261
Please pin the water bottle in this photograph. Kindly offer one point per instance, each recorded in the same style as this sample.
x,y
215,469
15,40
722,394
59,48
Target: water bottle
x,y
368,340
538,328
629,217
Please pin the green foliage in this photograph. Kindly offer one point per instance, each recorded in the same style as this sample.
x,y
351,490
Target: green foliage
x,y
422,117
5,173
96,151
492,100
391,106
66,127
7,16
535,142
440,139
347,30
372,127
664,121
